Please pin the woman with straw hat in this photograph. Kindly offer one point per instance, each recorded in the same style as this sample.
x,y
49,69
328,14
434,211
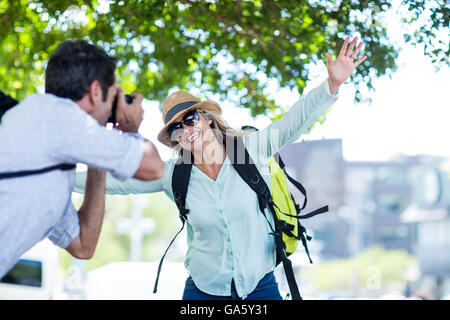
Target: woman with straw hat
x,y
231,254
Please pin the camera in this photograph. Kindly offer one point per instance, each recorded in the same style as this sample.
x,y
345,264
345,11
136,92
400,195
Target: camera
x,y
128,100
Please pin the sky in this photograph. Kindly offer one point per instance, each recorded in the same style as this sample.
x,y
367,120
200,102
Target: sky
x,y
409,113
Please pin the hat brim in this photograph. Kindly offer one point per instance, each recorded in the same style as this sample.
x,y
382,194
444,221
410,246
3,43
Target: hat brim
x,y
208,105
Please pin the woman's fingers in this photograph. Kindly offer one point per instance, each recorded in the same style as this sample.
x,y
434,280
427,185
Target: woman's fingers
x,y
329,60
358,62
344,47
346,50
355,54
352,45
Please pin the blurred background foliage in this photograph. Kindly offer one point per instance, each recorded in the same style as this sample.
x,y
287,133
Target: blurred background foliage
x,y
375,267
113,246
231,48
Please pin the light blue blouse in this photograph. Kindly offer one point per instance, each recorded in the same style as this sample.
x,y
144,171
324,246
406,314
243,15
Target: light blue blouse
x,y
228,237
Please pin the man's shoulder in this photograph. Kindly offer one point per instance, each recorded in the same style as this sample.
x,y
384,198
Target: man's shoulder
x,y
36,111
49,101
59,111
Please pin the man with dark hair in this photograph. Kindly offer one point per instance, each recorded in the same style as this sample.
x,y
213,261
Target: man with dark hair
x,y
83,63
44,136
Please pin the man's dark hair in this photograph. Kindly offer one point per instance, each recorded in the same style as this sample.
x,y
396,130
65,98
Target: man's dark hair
x,y
74,65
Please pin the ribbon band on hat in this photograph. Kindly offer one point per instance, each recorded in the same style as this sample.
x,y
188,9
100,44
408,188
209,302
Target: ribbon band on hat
x,y
177,108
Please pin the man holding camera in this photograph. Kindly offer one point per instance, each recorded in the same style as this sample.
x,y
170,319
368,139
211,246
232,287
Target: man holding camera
x,y
44,136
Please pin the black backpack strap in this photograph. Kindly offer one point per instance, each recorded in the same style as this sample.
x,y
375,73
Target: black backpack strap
x,y
314,213
302,189
302,235
297,184
246,168
63,167
6,103
180,181
155,288
287,264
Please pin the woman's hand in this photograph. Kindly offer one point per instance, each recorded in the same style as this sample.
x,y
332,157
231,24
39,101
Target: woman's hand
x,y
340,70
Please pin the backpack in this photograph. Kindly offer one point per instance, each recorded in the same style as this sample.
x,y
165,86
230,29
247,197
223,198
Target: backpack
x,y
286,230
286,209
6,103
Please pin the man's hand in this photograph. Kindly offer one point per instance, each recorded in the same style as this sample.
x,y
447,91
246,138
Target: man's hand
x,y
129,116
340,70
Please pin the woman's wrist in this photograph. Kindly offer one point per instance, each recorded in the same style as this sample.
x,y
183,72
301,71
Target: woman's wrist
x,y
333,85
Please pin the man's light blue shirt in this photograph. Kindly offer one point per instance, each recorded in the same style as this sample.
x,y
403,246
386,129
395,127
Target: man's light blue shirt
x,y
42,131
228,237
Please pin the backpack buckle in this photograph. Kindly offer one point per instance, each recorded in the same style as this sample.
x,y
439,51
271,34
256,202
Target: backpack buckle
x,y
254,179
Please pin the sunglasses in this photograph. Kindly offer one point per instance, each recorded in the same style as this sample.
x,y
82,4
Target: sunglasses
x,y
189,119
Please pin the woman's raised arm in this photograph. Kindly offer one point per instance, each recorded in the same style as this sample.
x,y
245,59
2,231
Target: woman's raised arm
x,y
129,186
309,108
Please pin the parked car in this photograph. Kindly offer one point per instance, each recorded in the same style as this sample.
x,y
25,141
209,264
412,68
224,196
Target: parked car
x,y
34,276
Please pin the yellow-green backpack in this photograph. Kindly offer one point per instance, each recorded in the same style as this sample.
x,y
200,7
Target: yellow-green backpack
x,y
286,209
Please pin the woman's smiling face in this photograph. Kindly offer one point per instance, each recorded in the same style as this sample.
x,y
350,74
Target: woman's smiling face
x,y
193,138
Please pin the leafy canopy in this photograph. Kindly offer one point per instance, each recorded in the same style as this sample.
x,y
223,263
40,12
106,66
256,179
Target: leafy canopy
x,y
228,47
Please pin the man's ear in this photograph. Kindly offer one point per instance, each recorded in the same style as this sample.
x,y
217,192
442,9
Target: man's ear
x,y
95,93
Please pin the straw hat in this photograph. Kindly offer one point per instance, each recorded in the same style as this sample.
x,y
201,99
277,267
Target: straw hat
x,y
179,103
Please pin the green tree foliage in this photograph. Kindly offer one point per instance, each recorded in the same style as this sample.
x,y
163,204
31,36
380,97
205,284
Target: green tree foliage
x,y
184,44
431,21
374,268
